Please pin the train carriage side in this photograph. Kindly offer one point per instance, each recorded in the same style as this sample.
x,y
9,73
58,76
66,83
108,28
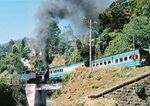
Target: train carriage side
x,y
129,59
60,71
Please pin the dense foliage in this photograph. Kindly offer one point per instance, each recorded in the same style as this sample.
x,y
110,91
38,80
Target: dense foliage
x,y
10,62
11,95
119,24
10,57
5,95
123,21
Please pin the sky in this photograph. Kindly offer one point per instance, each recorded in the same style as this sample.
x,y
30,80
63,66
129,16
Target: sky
x,y
17,19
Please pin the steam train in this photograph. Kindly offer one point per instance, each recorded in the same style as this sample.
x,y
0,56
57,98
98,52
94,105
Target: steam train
x,y
134,58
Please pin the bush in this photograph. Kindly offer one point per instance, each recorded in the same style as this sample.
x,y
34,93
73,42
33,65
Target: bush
x,y
116,104
66,78
79,104
95,86
14,94
140,90
57,93
6,95
3,68
98,78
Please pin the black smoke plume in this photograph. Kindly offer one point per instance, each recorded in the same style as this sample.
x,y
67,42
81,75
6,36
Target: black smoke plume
x,y
75,11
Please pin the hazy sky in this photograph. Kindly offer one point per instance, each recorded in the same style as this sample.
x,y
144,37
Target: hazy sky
x,y
17,18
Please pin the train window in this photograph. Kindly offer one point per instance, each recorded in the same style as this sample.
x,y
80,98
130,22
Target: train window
x,y
130,57
101,63
125,58
105,63
93,65
121,59
109,62
137,56
116,61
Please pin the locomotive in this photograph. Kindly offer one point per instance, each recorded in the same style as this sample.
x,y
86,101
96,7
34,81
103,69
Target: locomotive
x,y
134,58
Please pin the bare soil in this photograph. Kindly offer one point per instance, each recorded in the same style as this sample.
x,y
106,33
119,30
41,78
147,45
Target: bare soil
x,y
85,83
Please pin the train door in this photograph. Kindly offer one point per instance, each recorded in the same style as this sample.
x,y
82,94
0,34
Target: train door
x,y
144,57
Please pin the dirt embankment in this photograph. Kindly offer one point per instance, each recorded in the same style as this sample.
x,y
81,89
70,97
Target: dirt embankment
x,y
58,60
84,83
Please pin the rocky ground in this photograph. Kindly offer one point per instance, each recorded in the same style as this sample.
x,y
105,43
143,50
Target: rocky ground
x,y
83,83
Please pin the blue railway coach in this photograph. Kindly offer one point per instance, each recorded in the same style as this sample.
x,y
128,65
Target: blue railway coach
x,y
59,71
138,57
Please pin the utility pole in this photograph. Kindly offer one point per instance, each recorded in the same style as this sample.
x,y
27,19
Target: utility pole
x,y
134,43
90,46
134,47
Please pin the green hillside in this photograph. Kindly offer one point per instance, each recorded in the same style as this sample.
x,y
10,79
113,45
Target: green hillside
x,y
118,24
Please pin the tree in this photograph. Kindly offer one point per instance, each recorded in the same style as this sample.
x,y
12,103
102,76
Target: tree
x,y
78,44
6,95
117,44
11,43
52,42
116,15
102,41
15,49
140,7
140,28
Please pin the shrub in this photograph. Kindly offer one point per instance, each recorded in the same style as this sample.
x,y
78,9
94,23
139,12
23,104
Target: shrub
x,y
140,90
98,78
116,104
3,68
6,95
57,93
79,104
66,78
95,86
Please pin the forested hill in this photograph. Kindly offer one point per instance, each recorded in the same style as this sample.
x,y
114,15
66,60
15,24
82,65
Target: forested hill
x,y
123,20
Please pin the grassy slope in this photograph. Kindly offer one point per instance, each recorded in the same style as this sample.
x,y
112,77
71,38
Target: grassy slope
x,y
58,60
83,83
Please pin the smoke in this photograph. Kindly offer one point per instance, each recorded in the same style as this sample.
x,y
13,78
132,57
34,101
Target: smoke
x,y
74,11
26,63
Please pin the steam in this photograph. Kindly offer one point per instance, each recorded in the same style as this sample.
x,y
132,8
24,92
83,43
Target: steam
x,y
52,12
26,63
74,11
